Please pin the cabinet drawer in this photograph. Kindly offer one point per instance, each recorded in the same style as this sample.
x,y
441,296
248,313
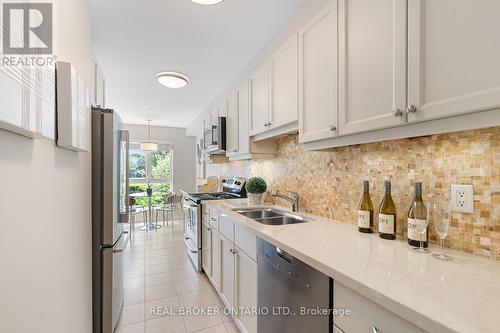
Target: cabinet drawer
x,y
226,227
367,316
246,241
213,218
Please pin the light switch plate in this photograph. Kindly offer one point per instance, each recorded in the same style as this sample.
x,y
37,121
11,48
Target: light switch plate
x,y
462,198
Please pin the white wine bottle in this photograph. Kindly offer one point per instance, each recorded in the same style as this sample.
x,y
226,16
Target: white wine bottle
x,y
387,215
417,219
365,210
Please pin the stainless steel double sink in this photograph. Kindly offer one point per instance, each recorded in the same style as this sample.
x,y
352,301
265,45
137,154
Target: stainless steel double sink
x,y
271,216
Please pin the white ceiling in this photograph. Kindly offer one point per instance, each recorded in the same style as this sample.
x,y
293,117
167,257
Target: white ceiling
x,y
134,40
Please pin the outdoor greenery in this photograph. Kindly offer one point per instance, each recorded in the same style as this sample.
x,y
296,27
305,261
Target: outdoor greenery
x,y
256,185
151,168
158,193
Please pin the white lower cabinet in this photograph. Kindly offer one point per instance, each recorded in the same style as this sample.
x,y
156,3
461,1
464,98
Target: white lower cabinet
x,y
206,249
233,271
366,316
215,278
245,297
226,257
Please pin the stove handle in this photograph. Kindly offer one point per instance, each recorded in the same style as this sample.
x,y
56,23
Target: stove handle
x,y
189,247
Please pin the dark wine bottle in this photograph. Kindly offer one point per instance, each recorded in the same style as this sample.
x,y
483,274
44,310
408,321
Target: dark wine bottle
x,y
417,219
387,215
365,210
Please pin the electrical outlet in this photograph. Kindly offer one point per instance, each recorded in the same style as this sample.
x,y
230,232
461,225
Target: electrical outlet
x,y
462,198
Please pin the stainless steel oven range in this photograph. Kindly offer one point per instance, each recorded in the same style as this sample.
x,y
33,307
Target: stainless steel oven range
x,y
232,188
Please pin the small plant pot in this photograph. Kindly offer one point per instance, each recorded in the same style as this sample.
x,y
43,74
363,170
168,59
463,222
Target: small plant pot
x,y
255,198
149,191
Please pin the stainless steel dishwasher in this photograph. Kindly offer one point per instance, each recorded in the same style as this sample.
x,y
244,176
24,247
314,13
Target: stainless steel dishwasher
x,y
291,294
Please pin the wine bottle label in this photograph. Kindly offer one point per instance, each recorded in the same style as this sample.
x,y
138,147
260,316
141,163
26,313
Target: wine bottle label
x,y
386,223
363,218
415,226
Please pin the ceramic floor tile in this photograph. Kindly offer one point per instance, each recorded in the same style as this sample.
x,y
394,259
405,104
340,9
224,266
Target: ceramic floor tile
x,y
165,325
199,298
185,274
134,283
231,327
134,296
155,269
196,323
159,278
160,291
132,314
162,307
191,285
132,328
134,272
215,329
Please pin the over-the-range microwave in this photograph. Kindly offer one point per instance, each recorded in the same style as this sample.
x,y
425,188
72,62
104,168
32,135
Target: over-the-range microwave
x,y
215,137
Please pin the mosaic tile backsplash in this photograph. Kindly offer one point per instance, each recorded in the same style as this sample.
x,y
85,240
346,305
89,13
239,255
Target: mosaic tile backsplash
x,y
330,183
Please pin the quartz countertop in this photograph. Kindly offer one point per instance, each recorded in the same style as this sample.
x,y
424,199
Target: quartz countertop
x,y
462,295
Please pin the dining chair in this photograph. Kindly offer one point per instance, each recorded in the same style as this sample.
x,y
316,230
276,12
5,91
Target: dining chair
x,y
172,204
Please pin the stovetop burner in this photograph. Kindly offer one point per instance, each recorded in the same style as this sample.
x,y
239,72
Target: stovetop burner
x,y
214,196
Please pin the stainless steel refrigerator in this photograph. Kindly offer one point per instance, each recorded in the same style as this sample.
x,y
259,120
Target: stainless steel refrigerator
x,y
109,211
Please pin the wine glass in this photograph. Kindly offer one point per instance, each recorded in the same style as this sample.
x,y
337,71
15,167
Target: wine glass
x,y
442,224
422,225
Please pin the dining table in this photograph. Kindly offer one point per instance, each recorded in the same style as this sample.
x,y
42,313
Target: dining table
x,y
148,224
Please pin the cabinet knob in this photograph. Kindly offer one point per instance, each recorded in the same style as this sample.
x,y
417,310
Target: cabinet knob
x,y
333,128
411,109
397,112
231,250
374,329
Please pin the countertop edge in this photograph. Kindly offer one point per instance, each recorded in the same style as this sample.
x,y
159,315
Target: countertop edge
x,y
418,319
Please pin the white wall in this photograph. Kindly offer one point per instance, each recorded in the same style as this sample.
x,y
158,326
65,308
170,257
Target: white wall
x,y
184,151
45,220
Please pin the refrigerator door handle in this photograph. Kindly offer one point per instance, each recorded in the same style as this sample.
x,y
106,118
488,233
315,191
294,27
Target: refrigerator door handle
x,y
125,233
186,240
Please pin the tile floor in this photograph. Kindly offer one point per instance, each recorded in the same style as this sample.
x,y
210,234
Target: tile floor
x,y
159,276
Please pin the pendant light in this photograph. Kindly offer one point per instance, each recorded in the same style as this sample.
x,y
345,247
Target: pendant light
x,y
149,146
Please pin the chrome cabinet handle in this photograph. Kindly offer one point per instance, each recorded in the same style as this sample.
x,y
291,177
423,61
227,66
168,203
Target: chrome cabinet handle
x,y
411,109
333,128
397,112
375,330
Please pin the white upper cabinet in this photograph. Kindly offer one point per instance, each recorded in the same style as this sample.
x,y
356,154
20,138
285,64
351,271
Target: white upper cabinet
x,y
232,126
453,57
242,107
283,67
318,77
259,100
372,64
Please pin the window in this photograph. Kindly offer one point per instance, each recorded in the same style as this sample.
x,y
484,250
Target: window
x,y
154,168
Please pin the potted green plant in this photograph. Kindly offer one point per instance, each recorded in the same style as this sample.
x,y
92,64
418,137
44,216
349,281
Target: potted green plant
x,y
256,187
149,190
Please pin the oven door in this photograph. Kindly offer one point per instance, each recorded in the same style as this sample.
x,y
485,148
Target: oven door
x,y
192,238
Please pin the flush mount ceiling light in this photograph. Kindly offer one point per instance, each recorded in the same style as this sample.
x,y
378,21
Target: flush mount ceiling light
x,y
172,80
207,2
149,146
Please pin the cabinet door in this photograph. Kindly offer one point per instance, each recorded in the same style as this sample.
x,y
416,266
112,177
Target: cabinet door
x,y
283,67
226,260
232,126
245,274
372,64
453,57
318,77
206,249
216,259
242,117
259,100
